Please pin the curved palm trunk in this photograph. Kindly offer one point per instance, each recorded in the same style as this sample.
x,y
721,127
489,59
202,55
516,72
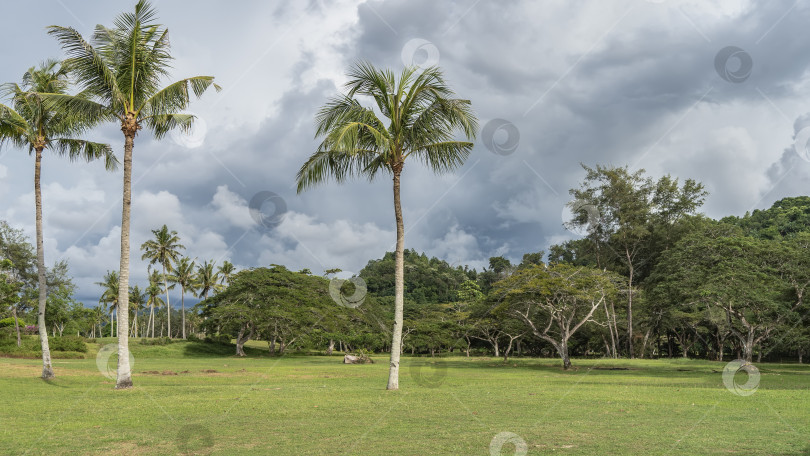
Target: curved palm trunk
x,y
47,369
168,306
399,288
124,375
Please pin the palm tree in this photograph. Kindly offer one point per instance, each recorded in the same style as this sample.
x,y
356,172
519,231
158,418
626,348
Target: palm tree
x,y
185,277
122,70
36,125
164,250
153,300
98,319
110,295
225,272
423,118
207,279
137,299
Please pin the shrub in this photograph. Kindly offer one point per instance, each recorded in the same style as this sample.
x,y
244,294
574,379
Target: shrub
x,y
67,343
9,322
156,341
223,339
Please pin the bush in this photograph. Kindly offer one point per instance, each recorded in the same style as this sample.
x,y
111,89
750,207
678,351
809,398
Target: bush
x,y
68,343
9,323
223,339
156,341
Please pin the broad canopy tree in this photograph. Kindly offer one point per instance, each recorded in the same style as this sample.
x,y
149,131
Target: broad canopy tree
x,y
554,301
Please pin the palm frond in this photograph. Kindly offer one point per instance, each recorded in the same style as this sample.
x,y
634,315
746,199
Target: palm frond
x,y
175,97
78,149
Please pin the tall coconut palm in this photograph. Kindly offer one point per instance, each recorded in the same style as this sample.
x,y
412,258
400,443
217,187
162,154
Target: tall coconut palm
x,y
122,69
163,250
137,299
33,124
184,276
153,300
110,295
423,118
207,279
225,272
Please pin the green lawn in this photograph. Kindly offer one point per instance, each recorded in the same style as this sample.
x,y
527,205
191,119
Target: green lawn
x,y
194,401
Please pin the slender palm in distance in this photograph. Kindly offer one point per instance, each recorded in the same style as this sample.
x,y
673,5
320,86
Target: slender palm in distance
x,y
184,276
207,279
122,70
165,251
423,118
153,300
109,295
36,125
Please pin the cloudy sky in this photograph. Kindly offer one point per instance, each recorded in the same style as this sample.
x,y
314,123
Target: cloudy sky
x,y
715,91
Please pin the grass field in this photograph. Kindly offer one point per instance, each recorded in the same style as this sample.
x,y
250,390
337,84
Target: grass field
x,y
191,400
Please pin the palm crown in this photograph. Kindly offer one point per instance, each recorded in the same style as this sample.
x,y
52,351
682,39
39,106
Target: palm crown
x,y
121,74
423,118
32,123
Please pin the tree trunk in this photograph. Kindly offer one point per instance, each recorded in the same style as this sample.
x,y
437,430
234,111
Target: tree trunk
x,y
331,347
168,306
399,286
183,308
47,369
241,338
801,353
563,349
151,323
630,308
496,347
17,326
124,379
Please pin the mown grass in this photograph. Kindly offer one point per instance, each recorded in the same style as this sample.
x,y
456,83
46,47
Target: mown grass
x,y
188,402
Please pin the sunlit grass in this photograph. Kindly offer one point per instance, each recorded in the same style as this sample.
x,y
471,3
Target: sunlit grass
x,y
189,402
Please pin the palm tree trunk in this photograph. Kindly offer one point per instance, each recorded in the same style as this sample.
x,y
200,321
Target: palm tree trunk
x,y
399,286
47,369
168,306
183,308
151,322
124,379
